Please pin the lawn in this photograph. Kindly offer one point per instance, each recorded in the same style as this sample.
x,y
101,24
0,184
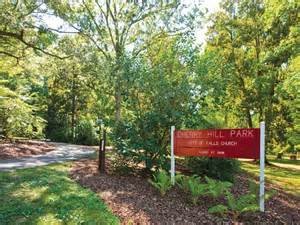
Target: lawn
x,y
284,160
46,195
287,179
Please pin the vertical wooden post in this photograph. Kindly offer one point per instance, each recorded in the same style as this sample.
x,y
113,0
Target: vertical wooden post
x,y
101,165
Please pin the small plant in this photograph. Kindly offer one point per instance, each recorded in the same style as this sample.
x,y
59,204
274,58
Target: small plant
x,y
218,209
217,188
162,182
182,182
195,188
237,205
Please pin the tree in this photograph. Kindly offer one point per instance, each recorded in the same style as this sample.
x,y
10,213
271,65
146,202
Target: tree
x,y
157,97
245,35
116,26
19,31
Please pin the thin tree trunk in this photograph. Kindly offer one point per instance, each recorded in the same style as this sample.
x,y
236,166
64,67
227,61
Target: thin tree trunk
x,y
73,108
118,101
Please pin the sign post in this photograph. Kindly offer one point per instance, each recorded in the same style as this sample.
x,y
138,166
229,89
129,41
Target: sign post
x,y
248,143
262,168
172,156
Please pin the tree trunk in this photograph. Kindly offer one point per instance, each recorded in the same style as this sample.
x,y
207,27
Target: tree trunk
x,y
118,101
73,107
249,118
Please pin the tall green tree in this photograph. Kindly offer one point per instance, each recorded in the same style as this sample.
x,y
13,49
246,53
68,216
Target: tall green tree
x,y
115,27
256,45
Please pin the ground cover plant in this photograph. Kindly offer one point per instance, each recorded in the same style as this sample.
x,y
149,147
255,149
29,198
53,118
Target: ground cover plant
x,y
45,195
161,181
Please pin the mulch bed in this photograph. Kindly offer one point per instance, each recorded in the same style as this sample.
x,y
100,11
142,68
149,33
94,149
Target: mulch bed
x,y
135,201
19,149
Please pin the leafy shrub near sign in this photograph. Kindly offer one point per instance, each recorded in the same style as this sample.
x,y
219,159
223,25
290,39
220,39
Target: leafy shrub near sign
x,y
237,205
221,169
182,182
161,181
217,188
196,188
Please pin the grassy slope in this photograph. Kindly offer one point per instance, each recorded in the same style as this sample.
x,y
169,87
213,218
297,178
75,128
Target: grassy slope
x,y
45,195
287,179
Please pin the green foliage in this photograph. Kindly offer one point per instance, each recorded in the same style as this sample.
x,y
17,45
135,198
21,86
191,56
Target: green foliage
x,y
157,97
182,182
85,133
218,209
244,203
195,188
46,195
161,181
221,169
216,188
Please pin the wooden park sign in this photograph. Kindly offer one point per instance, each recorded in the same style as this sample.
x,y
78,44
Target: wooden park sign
x,y
246,143
223,143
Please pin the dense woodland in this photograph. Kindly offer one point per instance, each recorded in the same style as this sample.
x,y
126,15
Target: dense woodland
x,y
137,68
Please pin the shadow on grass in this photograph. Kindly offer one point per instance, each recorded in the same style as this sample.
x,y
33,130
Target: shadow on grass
x,y
287,179
45,195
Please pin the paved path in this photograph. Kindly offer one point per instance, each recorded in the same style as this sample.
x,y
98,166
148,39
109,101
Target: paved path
x,y
62,152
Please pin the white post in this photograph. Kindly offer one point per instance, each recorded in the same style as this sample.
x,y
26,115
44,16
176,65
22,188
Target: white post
x,y
262,168
172,156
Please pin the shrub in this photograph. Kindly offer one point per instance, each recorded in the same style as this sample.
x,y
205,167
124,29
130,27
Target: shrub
x,y
221,169
122,166
19,119
85,133
162,182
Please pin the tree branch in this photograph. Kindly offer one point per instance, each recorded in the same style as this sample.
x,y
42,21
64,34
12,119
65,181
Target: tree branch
x,y
20,37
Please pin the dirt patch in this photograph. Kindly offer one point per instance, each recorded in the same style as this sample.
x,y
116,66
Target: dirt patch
x,y
135,201
23,149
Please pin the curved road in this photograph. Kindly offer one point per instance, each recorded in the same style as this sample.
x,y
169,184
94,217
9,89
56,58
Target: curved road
x,y
63,152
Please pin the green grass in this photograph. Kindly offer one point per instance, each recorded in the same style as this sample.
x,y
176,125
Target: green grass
x,y
45,195
284,160
287,179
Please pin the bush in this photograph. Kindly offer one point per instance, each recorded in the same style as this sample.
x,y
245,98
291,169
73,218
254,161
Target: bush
x,y
143,143
85,133
19,119
221,169
162,182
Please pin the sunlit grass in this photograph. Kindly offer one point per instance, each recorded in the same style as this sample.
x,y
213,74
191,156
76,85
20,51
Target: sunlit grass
x,y
45,195
287,179
284,160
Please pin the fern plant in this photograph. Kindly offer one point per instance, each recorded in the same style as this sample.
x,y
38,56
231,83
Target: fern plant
x,y
237,205
182,182
217,188
195,188
162,182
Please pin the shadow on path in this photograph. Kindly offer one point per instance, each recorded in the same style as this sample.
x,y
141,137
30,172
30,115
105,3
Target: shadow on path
x,y
63,152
